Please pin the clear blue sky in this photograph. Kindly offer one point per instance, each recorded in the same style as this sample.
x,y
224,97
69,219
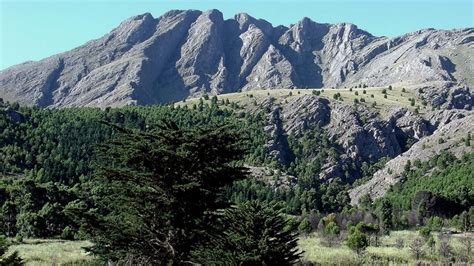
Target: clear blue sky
x,y
34,29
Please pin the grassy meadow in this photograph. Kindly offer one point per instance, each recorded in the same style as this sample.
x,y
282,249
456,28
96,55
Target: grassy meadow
x,y
386,253
53,252
62,252
396,97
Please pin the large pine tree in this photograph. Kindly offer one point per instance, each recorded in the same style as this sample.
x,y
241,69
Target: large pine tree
x,y
156,191
251,233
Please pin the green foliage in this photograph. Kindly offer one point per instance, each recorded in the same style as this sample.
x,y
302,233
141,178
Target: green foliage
x,y
332,229
425,232
48,156
304,226
251,234
448,176
435,223
357,241
385,212
155,191
8,260
67,233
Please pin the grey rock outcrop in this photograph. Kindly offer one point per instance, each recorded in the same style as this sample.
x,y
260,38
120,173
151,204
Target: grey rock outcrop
x,y
447,95
148,60
277,146
359,134
447,137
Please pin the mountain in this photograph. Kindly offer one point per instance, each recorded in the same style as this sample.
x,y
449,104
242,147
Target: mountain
x,y
371,131
188,53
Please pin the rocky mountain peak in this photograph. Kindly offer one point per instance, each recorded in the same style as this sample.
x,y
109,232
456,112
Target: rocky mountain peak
x,y
135,29
186,53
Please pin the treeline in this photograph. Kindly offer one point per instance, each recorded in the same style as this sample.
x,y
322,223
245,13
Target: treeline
x,y
441,199
48,154
48,159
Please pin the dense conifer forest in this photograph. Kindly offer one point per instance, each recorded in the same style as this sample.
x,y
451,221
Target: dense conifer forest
x,y
104,175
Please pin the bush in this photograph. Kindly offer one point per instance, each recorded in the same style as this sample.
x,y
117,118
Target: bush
x,y
357,241
304,226
332,229
435,223
425,232
67,233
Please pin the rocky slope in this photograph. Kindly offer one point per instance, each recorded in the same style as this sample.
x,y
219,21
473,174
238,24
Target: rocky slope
x,y
359,134
453,128
148,60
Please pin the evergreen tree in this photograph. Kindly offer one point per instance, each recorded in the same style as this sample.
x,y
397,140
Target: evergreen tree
x,y
385,213
155,191
357,241
251,233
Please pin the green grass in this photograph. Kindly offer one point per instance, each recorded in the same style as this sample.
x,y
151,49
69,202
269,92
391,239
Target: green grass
x,y
53,252
395,97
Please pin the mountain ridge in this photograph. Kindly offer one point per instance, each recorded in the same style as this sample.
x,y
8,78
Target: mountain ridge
x,y
187,53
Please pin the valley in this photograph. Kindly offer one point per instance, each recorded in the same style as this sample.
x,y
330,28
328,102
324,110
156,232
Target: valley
x,y
195,138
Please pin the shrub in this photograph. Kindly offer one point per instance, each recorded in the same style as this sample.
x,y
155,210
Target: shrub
x,y
304,226
357,241
67,233
435,223
332,229
425,232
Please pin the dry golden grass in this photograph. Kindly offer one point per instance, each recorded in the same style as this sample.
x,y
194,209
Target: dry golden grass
x,y
395,97
386,253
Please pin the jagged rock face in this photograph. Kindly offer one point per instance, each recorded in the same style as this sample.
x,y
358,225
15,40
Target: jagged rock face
x,y
303,112
278,146
447,95
359,135
448,137
186,53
